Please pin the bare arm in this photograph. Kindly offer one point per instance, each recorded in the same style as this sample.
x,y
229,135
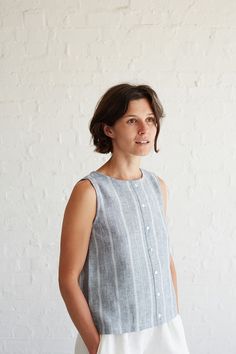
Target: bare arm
x,y
76,228
172,265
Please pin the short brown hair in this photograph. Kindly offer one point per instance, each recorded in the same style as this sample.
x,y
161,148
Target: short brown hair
x,y
113,105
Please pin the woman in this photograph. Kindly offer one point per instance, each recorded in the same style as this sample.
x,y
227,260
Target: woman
x,y
116,271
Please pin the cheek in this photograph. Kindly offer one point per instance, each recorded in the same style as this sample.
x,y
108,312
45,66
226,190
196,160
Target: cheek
x,y
154,131
123,137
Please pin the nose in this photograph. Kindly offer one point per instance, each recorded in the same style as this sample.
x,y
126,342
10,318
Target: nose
x,y
142,128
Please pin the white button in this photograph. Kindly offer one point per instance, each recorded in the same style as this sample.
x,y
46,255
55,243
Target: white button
x,y
158,294
147,227
143,205
155,272
136,185
150,249
159,315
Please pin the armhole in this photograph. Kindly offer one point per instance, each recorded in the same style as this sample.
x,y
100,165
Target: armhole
x,y
95,187
160,194
163,213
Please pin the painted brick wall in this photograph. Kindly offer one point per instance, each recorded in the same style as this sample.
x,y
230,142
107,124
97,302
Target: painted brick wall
x,y
56,59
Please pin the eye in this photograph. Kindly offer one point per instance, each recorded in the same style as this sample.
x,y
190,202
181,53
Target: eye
x,y
130,121
152,119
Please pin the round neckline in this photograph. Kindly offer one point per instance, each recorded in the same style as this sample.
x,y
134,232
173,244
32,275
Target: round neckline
x,y
122,180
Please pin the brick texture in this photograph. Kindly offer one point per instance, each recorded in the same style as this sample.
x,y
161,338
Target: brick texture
x,y
56,59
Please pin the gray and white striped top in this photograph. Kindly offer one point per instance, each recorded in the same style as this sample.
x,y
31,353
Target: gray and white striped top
x,y
126,276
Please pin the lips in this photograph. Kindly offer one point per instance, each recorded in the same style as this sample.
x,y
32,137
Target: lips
x,y
142,142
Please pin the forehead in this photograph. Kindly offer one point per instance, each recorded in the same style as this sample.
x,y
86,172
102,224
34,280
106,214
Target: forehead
x,y
139,106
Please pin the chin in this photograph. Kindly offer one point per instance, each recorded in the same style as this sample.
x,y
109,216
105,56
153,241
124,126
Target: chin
x,y
144,153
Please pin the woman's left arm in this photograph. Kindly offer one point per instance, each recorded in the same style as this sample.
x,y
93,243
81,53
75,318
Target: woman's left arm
x,y
164,191
174,279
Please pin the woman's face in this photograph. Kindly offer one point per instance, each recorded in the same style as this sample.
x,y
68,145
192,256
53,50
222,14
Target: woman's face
x,y
135,131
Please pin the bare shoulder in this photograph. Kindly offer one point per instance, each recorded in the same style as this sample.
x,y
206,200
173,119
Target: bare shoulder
x,y
83,188
82,198
164,191
163,184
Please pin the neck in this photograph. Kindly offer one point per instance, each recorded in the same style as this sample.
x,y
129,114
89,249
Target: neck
x,y
122,169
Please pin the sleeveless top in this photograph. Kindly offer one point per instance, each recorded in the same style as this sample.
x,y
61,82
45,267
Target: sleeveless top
x,y
126,277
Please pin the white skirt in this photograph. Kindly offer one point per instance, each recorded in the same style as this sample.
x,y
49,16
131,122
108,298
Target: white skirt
x,y
168,338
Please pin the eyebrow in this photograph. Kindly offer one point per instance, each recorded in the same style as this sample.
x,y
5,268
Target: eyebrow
x,y
133,115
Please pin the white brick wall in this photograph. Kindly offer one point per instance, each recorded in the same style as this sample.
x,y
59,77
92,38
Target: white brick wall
x,y
56,59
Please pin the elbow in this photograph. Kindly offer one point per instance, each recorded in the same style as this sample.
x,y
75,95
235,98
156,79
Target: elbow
x,y
61,279
67,282
61,283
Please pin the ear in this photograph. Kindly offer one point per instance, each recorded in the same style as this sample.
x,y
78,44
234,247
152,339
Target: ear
x,y
108,130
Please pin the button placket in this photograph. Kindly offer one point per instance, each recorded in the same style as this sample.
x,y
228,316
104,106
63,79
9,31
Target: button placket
x,y
153,263
149,243
155,271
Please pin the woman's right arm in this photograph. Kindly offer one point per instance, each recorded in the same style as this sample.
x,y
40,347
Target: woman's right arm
x,y
76,229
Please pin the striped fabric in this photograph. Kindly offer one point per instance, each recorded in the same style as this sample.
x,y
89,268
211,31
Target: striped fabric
x,y
126,277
